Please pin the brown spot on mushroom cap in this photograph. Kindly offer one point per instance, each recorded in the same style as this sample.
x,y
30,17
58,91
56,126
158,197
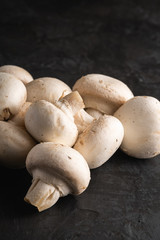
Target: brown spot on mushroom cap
x,y
81,142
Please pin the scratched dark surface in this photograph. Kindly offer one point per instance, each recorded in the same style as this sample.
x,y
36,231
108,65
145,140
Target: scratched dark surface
x,y
67,39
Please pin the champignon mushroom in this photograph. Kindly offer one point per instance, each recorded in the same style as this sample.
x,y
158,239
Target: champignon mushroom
x,y
94,112
18,119
57,171
15,143
46,88
140,117
18,72
99,141
103,93
12,95
47,122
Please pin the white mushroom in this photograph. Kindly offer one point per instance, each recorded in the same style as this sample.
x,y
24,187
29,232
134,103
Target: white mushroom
x,y
99,141
12,95
47,122
18,119
46,88
140,117
18,72
57,171
94,112
15,143
103,93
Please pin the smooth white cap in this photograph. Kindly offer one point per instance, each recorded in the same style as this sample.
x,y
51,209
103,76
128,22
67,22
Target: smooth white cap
x,y
18,72
99,141
140,117
46,88
103,93
47,123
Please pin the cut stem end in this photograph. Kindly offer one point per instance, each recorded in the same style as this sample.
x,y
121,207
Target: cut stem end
x,y
42,195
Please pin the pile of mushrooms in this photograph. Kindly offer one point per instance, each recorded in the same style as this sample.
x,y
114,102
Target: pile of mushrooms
x,y
59,133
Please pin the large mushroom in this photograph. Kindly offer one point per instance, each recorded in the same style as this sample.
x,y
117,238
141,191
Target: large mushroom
x,y
140,117
18,72
102,93
99,141
48,122
46,88
57,171
15,143
12,95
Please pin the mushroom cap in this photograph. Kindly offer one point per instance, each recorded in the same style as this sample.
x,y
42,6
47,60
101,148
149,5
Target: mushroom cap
x,y
58,165
18,72
47,123
140,117
46,88
13,95
103,93
15,143
99,141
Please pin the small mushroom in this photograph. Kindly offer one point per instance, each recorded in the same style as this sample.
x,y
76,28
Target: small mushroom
x,y
15,143
12,95
99,141
57,171
46,88
94,112
140,117
18,119
18,72
48,122
102,93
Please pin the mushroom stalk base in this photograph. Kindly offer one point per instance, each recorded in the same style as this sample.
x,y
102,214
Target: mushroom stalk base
x,y
5,114
42,195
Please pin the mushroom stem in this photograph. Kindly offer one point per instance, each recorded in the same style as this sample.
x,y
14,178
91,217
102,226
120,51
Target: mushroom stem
x,y
5,114
42,195
18,119
75,101
82,120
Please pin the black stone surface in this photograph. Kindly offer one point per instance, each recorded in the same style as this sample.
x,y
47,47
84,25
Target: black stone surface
x,y
68,39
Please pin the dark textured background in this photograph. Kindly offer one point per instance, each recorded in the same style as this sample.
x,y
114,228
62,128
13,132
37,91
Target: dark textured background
x,y
67,39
